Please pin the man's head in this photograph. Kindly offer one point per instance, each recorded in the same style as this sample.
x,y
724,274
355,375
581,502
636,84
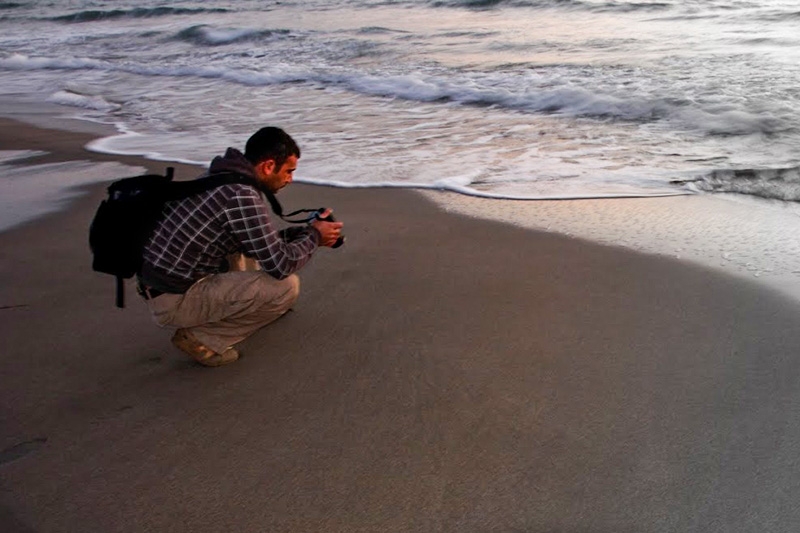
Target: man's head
x,y
273,154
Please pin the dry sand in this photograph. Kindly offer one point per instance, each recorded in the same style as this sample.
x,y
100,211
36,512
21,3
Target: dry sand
x,y
439,373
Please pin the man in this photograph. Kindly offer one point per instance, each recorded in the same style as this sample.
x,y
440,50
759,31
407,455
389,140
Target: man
x,y
216,268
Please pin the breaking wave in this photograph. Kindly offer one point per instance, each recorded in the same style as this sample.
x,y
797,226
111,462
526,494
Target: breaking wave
x,y
779,16
772,184
609,6
203,34
138,12
513,93
83,101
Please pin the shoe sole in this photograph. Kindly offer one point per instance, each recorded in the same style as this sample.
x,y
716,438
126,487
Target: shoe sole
x,y
186,342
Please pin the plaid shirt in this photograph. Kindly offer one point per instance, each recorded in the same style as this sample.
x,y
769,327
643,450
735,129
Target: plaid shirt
x,y
197,233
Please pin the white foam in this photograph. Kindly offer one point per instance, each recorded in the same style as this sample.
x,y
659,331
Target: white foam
x,y
127,142
530,92
7,156
224,36
94,102
754,239
29,191
24,62
217,36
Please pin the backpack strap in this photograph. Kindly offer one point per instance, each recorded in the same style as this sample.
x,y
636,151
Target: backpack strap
x,y
120,291
179,190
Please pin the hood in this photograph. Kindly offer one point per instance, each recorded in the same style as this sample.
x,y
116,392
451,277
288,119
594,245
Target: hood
x,y
232,161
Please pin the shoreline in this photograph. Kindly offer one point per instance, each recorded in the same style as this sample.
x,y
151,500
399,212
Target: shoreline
x,y
438,373
742,237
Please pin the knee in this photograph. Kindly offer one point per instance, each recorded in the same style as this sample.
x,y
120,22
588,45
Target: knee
x,y
293,288
281,294
274,295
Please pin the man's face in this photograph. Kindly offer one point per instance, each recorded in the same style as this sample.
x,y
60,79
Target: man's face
x,y
274,178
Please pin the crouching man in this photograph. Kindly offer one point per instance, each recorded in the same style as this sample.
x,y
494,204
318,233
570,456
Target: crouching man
x,y
216,268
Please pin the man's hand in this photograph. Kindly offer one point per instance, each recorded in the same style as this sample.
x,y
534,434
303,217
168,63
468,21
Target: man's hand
x,y
329,231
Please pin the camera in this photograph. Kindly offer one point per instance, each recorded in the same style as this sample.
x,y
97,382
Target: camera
x,y
318,215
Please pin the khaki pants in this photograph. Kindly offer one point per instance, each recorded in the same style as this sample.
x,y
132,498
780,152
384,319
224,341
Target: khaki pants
x,y
221,310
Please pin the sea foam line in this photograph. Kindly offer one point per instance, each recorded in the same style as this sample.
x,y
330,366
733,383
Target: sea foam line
x,y
522,93
453,185
138,12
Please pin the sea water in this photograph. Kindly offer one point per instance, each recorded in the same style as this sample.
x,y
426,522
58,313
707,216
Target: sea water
x,y
512,99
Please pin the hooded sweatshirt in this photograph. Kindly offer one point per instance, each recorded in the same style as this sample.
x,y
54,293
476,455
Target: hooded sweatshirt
x,y
196,234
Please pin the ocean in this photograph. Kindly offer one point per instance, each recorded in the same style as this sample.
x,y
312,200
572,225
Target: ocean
x,y
506,99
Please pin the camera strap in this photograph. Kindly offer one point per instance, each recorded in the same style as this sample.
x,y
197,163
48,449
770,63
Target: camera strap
x,y
278,210
276,206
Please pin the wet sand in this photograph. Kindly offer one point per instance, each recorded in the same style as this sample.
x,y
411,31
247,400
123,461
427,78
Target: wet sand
x,y
439,373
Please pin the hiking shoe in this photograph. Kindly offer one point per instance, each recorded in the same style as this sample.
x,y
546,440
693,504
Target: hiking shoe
x,y
187,342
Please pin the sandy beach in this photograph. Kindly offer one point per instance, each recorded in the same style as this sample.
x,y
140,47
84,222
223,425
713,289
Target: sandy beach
x,y
439,373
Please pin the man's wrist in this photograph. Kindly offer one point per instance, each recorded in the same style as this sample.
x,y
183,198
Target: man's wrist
x,y
316,234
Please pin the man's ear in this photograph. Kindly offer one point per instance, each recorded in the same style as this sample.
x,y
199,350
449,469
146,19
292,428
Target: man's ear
x,y
267,166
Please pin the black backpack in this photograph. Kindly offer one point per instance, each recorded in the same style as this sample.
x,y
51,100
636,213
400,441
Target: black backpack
x,y
127,218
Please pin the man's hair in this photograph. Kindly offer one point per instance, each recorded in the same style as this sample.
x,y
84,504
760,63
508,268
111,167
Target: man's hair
x,y
270,143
